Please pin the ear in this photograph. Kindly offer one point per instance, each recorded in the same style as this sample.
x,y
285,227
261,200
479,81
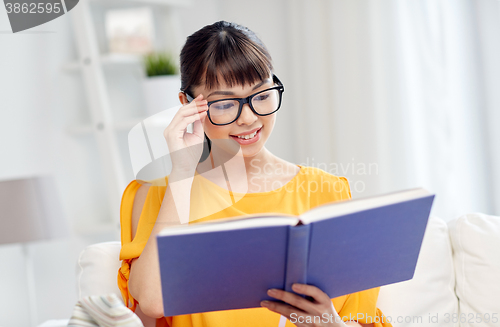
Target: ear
x,y
182,98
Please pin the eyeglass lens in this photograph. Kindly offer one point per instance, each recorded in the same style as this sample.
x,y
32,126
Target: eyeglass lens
x,y
222,112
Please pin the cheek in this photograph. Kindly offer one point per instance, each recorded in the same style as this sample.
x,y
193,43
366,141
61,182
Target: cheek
x,y
207,128
215,132
269,123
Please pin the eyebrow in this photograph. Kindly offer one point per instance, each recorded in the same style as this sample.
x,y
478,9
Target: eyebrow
x,y
232,93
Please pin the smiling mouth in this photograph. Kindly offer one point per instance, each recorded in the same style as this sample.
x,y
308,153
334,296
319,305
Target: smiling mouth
x,y
248,136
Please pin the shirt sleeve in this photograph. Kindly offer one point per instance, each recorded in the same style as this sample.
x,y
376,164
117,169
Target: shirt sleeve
x,y
362,307
324,187
132,248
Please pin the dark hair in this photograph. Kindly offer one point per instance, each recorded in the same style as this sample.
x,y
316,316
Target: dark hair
x,y
223,50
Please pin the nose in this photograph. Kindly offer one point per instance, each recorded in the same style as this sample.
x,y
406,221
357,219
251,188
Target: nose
x,y
247,117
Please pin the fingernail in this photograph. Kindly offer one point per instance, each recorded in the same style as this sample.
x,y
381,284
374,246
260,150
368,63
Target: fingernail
x,y
264,303
296,286
272,291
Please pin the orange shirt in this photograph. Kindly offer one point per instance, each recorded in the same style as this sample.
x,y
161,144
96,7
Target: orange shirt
x,y
311,187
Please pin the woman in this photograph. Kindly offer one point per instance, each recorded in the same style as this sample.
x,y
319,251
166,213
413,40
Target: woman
x,y
231,95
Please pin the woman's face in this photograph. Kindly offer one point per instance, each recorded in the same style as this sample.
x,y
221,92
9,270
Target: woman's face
x,y
247,122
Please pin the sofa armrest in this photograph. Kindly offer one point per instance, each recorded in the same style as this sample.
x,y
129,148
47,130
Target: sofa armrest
x,y
428,298
476,252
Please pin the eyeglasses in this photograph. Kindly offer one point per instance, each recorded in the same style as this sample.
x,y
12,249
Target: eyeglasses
x,y
262,103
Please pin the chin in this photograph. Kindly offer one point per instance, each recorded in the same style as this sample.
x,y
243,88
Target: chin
x,y
248,153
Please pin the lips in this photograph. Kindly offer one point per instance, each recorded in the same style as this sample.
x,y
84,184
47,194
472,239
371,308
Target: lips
x,y
244,141
246,133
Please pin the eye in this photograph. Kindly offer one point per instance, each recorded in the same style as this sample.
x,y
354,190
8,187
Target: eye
x,y
222,105
262,97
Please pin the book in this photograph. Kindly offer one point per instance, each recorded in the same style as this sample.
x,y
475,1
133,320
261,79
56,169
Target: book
x,y
341,247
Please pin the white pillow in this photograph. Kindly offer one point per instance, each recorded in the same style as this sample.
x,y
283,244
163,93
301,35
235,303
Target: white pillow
x,y
476,242
428,298
97,269
97,274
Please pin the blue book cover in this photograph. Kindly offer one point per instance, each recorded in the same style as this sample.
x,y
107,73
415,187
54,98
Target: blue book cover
x,y
342,248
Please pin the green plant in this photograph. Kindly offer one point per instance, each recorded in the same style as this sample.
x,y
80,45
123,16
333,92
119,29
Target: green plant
x,y
160,63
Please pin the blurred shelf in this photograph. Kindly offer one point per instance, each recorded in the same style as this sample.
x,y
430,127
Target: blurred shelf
x,y
93,64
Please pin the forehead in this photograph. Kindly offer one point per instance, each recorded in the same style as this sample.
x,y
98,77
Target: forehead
x,y
222,86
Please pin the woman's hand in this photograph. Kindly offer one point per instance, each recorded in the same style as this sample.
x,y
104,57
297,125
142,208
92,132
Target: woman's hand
x,y
186,148
302,312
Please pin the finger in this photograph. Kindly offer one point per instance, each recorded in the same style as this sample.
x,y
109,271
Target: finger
x,y
283,309
198,98
189,109
188,120
311,290
187,112
178,129
293,299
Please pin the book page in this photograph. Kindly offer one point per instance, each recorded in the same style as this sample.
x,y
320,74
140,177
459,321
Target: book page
x,y
262,220
331,210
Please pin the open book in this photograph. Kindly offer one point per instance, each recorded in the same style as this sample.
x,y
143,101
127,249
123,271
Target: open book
x,y
341,247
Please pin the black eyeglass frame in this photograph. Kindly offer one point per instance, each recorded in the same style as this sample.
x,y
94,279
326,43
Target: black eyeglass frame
x,y
280,87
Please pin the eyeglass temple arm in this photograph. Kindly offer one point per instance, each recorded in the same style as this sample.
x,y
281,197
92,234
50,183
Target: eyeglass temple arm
x,y
277,81
189,98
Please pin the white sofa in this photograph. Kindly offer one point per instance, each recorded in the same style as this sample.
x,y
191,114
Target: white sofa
x,y
456,281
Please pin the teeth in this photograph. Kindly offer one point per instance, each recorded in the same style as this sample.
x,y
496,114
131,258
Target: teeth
x,y
248,136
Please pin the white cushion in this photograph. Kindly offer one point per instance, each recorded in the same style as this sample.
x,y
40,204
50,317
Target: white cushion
x,y
428,298
97,269
476,242
97,274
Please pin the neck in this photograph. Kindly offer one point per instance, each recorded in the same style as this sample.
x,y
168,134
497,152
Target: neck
x,y
255,165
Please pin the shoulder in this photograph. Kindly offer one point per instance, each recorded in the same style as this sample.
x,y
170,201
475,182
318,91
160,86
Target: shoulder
x,y
138,190
315,173
159,182
140,198
139,201
327,184
135,189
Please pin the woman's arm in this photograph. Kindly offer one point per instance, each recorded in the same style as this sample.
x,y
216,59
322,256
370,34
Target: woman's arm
x,y
144,280
185,151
